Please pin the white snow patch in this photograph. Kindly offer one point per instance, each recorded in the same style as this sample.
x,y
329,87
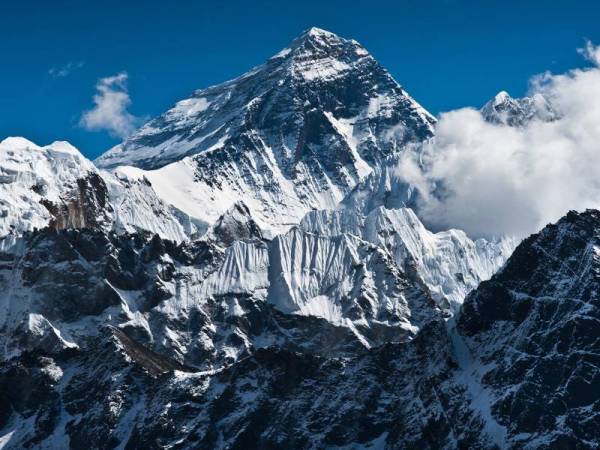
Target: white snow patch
x,y
5,440
322,306
282,54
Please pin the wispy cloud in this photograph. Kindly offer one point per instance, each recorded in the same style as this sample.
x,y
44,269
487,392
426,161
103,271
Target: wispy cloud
x,y
66,69
110,108
494,179
590,52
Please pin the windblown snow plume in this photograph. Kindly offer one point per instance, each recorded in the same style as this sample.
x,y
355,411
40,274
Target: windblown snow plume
x,y
493,178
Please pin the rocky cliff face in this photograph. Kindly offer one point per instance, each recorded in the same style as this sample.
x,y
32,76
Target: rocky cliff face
x,y
533,329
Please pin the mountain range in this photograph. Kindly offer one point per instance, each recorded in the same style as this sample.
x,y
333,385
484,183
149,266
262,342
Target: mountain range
x,y
250,270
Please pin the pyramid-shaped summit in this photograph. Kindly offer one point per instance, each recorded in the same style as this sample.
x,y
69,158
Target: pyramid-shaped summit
x,y
293,134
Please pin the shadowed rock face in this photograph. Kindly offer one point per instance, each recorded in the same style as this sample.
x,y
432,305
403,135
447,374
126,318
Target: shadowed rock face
x,y
535,325
272,398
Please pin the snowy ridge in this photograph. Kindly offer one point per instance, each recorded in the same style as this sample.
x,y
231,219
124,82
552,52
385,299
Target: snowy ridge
x,y
57,186
30,174
449,262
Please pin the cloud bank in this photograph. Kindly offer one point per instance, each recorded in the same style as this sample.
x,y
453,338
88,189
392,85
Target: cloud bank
x,y
110,111
493,179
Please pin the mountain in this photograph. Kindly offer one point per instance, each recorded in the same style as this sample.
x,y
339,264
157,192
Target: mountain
x,y
294,134
318,127
136,357
505,110
246,271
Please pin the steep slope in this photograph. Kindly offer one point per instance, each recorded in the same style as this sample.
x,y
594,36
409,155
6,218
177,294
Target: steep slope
x,y
449,263
294,134
533,329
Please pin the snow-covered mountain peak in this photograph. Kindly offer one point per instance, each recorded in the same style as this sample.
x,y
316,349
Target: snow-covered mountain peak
x,y
319,33
294,134
316,37
316,42
16,142
506,110
205,121
35,180
56,186
501,97
319,55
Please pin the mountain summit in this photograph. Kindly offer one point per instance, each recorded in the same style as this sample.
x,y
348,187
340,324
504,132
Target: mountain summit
x,y
294,134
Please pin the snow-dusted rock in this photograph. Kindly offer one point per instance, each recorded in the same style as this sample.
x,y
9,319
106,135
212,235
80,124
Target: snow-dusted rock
x,y
235,224
533,333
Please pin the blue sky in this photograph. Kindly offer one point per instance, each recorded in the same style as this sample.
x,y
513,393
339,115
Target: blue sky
x,y
447,54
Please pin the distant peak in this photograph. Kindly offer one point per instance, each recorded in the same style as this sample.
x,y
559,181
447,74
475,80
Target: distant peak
x,y
501,97
318,43
316,32
317,35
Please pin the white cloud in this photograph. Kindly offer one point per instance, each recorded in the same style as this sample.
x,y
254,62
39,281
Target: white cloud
x,y
66,69
493,179
591,52
110,111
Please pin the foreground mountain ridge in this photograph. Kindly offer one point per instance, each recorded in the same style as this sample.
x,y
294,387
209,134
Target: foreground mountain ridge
x,y
473,384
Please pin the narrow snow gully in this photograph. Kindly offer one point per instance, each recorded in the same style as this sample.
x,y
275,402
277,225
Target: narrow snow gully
x,y
469,375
